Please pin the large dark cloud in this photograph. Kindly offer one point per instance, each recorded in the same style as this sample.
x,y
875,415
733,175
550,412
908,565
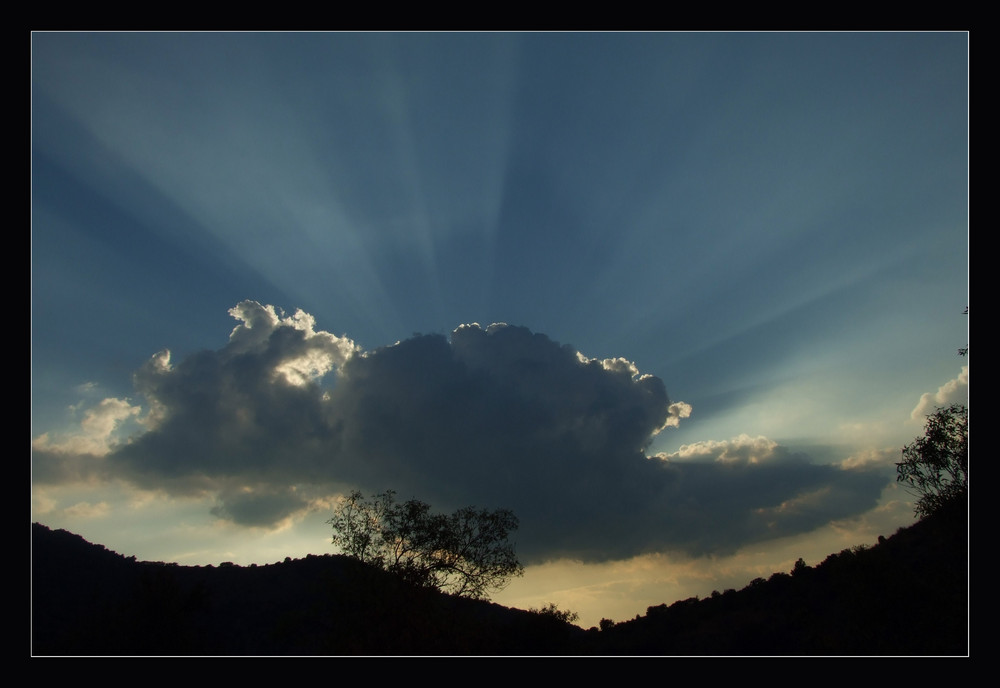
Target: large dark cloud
x,y
285,415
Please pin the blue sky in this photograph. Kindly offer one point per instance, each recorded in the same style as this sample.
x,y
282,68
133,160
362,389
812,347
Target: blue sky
x,y
728,272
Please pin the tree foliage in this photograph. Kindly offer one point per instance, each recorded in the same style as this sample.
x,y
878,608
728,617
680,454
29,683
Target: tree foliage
x,y
466,553
936,466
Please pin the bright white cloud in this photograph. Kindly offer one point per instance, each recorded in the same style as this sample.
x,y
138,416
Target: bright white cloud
x,y
316,355
675,412
620,365
954,391
872,458
97,431
742,449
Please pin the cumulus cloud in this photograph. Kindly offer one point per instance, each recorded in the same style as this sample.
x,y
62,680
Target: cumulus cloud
x,y
741,449
259,506
675,412
97,430
80,456
954,391
872,458
285,415
302,358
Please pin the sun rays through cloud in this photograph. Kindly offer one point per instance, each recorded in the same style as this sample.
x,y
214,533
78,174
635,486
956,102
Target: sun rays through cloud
x,y
674,298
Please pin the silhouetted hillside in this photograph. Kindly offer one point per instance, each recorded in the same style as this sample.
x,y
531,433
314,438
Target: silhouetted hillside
x,y
88,600
906,595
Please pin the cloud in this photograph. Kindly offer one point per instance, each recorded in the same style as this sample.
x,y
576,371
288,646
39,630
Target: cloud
x,y
741,449
728,493
954,391
284,416
675,412
260,506
88,510
80,456
97,430
872,458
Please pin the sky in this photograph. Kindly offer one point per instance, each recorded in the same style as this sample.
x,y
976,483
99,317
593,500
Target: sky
x,y
676,299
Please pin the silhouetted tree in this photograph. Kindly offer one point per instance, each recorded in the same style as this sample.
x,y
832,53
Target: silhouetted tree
x,y
465,553
936,466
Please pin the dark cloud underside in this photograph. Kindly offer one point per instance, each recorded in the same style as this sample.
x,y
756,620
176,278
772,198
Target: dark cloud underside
x,y
495,417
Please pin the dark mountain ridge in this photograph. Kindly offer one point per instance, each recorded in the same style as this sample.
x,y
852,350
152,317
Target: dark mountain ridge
x,y
907,595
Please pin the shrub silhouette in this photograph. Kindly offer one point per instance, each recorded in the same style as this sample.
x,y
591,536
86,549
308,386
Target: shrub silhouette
x,y
552,610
